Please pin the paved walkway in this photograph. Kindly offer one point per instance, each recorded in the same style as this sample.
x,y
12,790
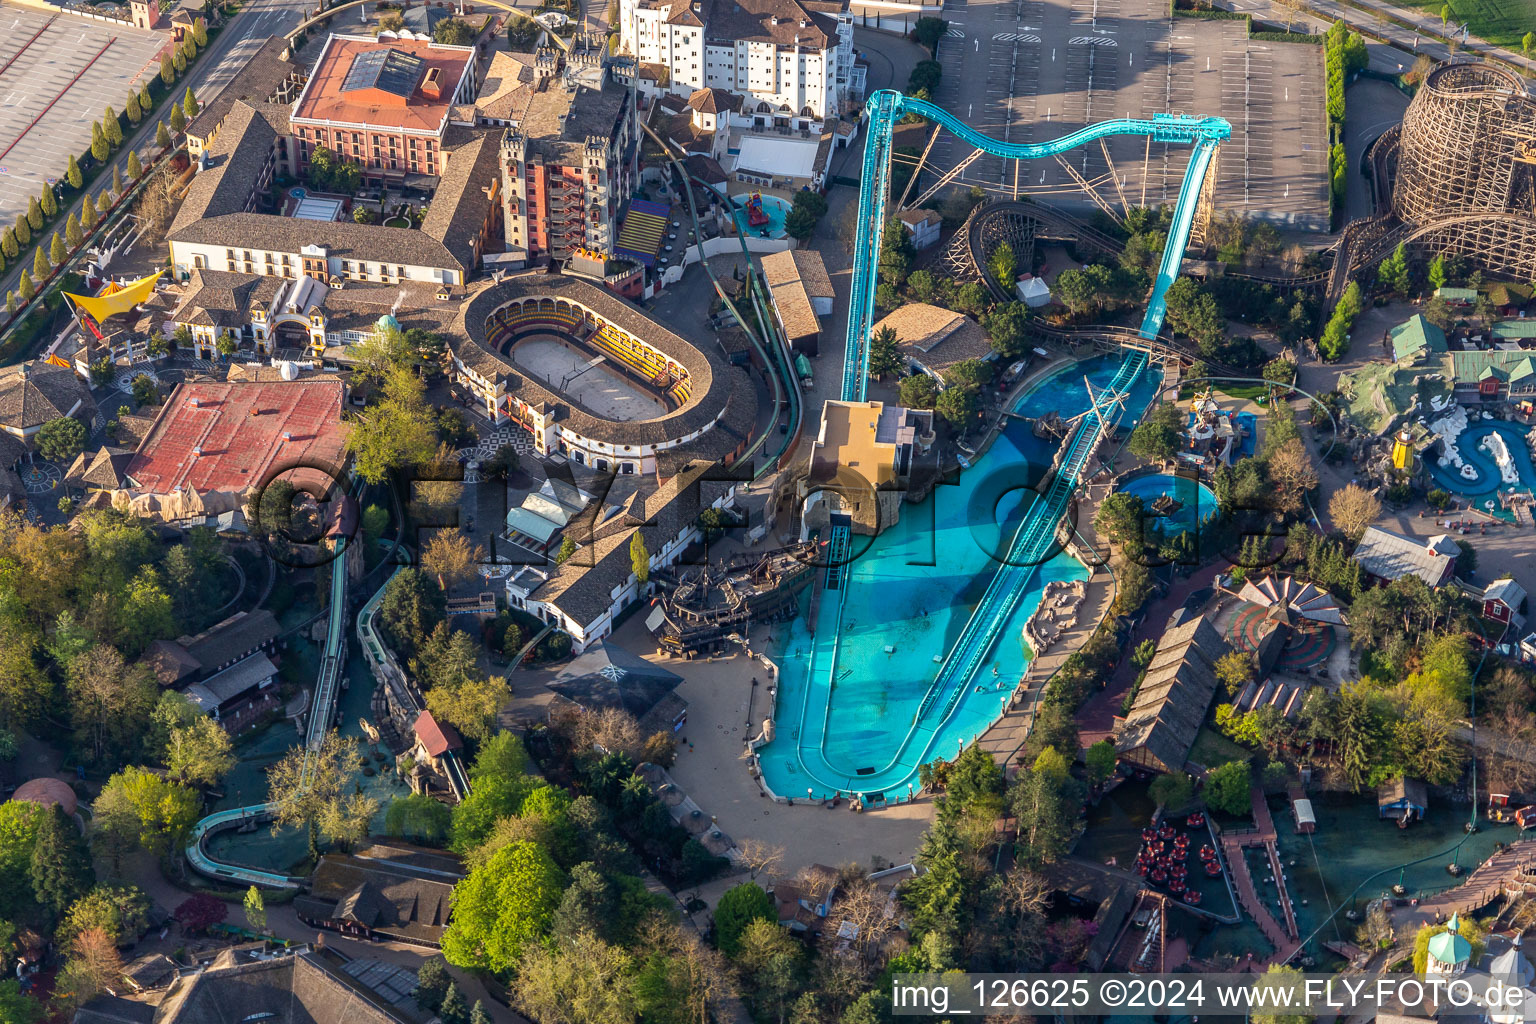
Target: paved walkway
x,y
1006,737
1096,718
1482,885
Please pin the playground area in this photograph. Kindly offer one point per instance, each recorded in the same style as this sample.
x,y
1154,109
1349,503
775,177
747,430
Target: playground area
x,y
56,75
586,380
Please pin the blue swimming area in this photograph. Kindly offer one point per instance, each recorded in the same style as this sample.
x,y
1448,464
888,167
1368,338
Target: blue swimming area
x,y
1198,501
1488,479
846,709
776,209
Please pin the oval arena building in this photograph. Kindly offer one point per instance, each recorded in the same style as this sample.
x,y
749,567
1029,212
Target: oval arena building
x,y
594,378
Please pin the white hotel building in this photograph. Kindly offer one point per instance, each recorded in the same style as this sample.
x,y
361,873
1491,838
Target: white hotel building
x,y
792,60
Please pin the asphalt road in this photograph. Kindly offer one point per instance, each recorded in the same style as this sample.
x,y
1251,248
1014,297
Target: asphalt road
x,y
241,36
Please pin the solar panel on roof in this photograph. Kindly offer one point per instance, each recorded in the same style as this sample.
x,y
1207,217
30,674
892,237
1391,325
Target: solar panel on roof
x,y
390,70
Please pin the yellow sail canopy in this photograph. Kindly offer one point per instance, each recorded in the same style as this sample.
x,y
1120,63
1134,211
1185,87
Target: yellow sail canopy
x,y
114,301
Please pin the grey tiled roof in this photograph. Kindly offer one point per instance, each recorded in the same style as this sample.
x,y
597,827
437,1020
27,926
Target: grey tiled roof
x,y
219,298
1173,696
343,239
104,469
381,896
213,212
235,637
301,989
462,200
35,392
232,166
557,119
753,21
263,74
706,402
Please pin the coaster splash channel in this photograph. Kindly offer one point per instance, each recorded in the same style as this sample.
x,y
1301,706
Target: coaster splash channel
x,y
800,751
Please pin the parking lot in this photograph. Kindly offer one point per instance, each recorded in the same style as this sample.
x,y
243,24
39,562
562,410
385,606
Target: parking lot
x,y
57,75
1033,70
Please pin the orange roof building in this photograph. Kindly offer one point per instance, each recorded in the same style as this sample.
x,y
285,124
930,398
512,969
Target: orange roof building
x,y
384,105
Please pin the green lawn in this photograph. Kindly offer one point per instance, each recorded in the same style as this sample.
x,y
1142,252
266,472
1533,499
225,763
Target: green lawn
x,y
1498,21
1213,750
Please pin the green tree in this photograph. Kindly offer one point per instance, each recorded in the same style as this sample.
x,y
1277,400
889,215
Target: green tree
x,y
1077,291
919,391
57,253
957,406
396,431
453,32
162,136
199,753
61,439
121,911
1394,271
738,908
48,203
1528,43
1003,264
1172,791
771,965
41,268
928,32
800,223
179,60
8,244
167,72
1226,788
73,236
255,910
34,214
1436,272
25,288
178,121
117,181
135,168
61,865
112,128
896,253
502,908
1235,670
454,1008
1046,809
189,105
1007,327
412,606
1100,760
100,147
87,213
418,816
432,981
1156,438
1280,979
567,549
884,356
639,558
200,32
23,230
1121,519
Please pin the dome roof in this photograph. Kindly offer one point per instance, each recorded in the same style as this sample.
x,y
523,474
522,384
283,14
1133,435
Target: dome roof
x,y
1512,968
387,322
46,792
1450,948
